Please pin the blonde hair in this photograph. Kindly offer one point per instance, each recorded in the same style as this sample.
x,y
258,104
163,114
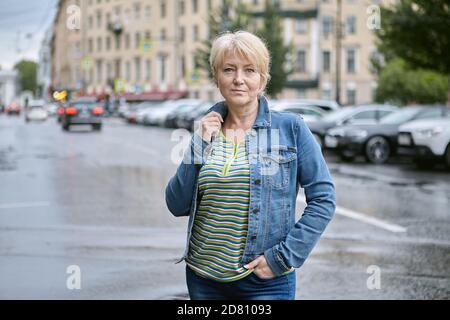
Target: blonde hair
x,y
244,44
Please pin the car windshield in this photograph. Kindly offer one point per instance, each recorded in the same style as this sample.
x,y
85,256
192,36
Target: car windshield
x,y
337,115
400,116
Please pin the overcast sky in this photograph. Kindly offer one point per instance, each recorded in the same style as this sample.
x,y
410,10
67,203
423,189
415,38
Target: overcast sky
x,y
22,27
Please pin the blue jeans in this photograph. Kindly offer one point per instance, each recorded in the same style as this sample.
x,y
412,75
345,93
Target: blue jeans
x,y
249,288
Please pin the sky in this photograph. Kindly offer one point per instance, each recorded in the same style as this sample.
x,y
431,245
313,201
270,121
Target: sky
x,y
22,27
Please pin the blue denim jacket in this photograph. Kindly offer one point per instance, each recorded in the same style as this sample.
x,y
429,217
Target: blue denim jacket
x,y
283,156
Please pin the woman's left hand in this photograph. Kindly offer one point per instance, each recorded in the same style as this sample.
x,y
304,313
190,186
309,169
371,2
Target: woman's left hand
x,y
261,268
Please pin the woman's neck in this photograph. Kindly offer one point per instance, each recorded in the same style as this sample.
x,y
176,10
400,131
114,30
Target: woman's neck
x,y
241,117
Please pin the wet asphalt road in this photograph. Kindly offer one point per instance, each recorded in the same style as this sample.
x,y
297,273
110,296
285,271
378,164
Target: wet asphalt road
x,y
96,200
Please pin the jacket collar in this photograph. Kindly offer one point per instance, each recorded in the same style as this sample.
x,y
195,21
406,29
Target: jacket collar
x,y
263,118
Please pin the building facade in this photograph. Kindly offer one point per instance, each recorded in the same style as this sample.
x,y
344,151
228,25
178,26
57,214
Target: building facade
x,y
148,46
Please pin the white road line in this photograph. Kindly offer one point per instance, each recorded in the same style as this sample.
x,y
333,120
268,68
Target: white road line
x,y
24,205
364,218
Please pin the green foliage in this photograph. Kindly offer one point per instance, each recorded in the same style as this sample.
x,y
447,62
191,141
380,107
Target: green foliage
x,y
418,32
229,18
27,74
400,84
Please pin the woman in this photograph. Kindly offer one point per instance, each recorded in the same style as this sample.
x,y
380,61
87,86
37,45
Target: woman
x,y
238,184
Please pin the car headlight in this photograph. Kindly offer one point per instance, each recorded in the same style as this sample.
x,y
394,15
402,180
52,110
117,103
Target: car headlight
x,y
336,132
429,132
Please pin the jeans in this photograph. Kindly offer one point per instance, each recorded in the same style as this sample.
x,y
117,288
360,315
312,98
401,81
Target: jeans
x,y
249,288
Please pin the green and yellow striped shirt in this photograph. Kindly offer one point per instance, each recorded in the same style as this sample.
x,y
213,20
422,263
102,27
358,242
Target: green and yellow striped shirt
x,y
220,226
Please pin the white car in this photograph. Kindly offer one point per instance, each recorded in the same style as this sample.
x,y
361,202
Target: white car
x,y
36,111
307,112
159,114
426,140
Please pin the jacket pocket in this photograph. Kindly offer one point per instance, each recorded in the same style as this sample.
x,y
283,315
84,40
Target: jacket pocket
x,y
276,166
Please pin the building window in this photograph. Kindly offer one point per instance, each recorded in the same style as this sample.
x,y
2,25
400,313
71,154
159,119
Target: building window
x,y
327,25
99,19
99,44
90,46
301,93
99,71
194,6
128,70
195,33
163,34
137,10
162,70
351,61
326,94
148,70
351,25
351,96
127,41
183,66
182,34
118,38
117,68
90,22
181,7
137,68
301,25
163,8
137,38
148,12
301,61
326,61
108,43
209,5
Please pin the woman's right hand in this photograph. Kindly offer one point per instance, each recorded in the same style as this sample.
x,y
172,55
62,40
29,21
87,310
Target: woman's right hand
x,y
209,125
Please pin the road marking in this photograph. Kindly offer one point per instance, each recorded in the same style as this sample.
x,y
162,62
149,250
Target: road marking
x,y
24,205
364,218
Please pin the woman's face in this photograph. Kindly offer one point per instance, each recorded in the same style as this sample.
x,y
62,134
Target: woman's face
x,y
238,80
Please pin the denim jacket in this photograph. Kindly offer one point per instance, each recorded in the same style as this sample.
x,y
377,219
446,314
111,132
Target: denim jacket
x,y
283,157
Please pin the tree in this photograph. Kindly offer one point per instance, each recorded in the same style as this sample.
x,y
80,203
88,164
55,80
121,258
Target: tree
x,y
399,83
272,33
418,32
225,18
27,74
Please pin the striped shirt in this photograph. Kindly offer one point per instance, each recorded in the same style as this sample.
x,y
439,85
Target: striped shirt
x,y
220,226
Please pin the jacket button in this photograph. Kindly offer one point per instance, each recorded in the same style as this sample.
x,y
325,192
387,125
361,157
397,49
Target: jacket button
x,y
258,181
256,210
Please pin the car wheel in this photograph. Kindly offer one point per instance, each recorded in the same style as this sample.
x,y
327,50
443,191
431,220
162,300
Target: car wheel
x,y
66,127
318,139
97,127
377,150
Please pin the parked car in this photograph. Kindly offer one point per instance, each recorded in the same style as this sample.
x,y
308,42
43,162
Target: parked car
x,y
426,141
159,114
82,112
13,108
51,108
363,114
131,115
377,142
172,118
187,121
36,111
325,105
307,112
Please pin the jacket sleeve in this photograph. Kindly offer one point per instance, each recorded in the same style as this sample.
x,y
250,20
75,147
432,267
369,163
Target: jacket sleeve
x,y
181,187
314,176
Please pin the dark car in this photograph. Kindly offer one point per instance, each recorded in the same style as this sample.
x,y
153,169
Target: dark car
x,y
82,113
363,114
187,121
377,142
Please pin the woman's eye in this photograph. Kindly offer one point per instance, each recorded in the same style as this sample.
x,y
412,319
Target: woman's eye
x,y
250,70
227,69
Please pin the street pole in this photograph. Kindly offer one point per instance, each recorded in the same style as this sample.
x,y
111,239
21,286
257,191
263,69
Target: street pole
x,y
338,50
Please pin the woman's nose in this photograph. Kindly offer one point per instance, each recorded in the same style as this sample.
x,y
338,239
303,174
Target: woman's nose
x,y
238,77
